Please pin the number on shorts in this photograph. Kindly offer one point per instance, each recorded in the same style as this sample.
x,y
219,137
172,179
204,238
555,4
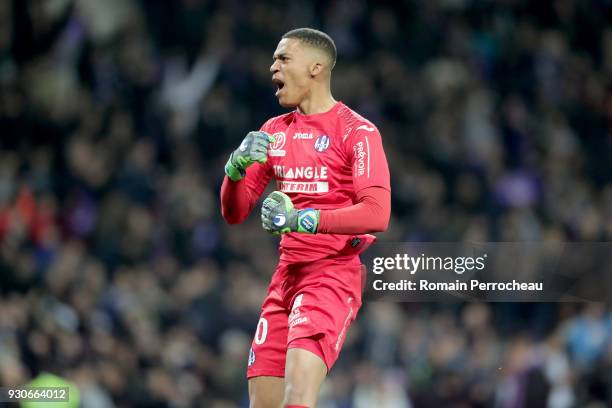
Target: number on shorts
x,y
262,331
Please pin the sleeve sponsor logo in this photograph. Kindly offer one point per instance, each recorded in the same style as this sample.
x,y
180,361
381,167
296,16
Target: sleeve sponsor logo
x,y
362,159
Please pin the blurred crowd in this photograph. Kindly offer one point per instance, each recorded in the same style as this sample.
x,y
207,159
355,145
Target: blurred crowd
x,y
116,117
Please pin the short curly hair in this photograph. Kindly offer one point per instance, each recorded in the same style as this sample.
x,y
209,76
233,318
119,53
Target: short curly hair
x,y
317,39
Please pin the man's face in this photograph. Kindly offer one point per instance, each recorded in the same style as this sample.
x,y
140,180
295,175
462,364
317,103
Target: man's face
x,y
291,72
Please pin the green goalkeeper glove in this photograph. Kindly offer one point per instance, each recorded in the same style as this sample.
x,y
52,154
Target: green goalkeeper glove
x,y
279,217
254,148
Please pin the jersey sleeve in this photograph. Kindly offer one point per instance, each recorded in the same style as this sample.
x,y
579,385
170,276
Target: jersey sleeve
x,y
256,179
368,160
370,214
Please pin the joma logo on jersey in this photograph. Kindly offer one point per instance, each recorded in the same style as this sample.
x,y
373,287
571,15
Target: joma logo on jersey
x,y
303,136
301,172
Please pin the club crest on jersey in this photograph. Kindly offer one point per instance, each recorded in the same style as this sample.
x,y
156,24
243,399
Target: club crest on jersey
x,y
276,148
322,143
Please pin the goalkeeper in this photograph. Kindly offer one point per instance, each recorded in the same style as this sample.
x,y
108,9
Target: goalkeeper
x,y
333,190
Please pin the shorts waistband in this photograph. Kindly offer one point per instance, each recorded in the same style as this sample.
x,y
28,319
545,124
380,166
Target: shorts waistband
x,y
344,260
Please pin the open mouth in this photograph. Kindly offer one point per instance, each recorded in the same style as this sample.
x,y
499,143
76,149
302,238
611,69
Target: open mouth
x,y
279,84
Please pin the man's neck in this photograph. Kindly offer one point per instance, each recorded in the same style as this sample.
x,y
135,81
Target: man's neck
x,y
317,103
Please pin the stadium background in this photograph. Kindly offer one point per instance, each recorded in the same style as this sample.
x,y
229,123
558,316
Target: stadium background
x,y
116,118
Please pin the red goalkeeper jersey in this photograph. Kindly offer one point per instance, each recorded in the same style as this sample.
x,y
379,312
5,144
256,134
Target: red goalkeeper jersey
x,y
320,161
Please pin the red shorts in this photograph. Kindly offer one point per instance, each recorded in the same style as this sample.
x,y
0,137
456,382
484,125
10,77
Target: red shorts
x,y
316,301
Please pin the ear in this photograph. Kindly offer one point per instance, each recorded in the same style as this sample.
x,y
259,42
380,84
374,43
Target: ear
x,y
315,69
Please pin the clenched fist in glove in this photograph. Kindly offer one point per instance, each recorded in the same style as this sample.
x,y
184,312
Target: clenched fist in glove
x,y
254,148
279,217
